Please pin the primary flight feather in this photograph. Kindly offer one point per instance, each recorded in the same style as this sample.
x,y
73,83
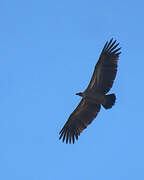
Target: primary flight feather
x,y
95,94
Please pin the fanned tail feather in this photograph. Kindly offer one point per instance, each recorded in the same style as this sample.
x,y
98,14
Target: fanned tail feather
x,y
110,101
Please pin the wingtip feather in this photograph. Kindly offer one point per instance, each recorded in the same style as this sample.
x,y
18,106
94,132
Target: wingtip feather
x,y
109,43
110,47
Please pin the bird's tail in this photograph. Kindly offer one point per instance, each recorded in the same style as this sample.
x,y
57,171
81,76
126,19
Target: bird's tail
x,y
109,101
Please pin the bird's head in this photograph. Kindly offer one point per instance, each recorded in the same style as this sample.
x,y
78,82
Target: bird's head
x,y
80,94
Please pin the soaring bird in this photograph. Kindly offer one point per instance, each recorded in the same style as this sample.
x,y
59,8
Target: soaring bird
x,y
95,94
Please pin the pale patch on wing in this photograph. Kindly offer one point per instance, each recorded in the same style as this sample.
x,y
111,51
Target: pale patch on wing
x,y
96,78
80,108
93,82
98,75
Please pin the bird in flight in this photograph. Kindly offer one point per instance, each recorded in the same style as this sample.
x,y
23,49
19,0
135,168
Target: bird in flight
x,y
95,94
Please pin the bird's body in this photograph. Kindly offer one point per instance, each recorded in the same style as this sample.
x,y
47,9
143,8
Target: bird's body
x,y
95,94
93,97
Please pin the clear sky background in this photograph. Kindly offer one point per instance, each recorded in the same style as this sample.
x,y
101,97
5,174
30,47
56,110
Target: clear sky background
x,y
48,50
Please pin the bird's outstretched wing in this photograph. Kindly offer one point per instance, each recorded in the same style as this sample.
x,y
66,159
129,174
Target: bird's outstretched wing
x,y
80,118
106,68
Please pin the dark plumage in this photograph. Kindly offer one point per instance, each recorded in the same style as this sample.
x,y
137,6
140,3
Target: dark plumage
x,y
95,94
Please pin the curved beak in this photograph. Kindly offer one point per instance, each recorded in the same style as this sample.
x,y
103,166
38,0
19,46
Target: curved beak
x,y
79,94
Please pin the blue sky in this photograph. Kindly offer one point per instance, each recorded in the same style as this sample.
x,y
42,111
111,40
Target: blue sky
x,y
48,53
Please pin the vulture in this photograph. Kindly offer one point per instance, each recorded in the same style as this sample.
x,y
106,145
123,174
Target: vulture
x,y
95,94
